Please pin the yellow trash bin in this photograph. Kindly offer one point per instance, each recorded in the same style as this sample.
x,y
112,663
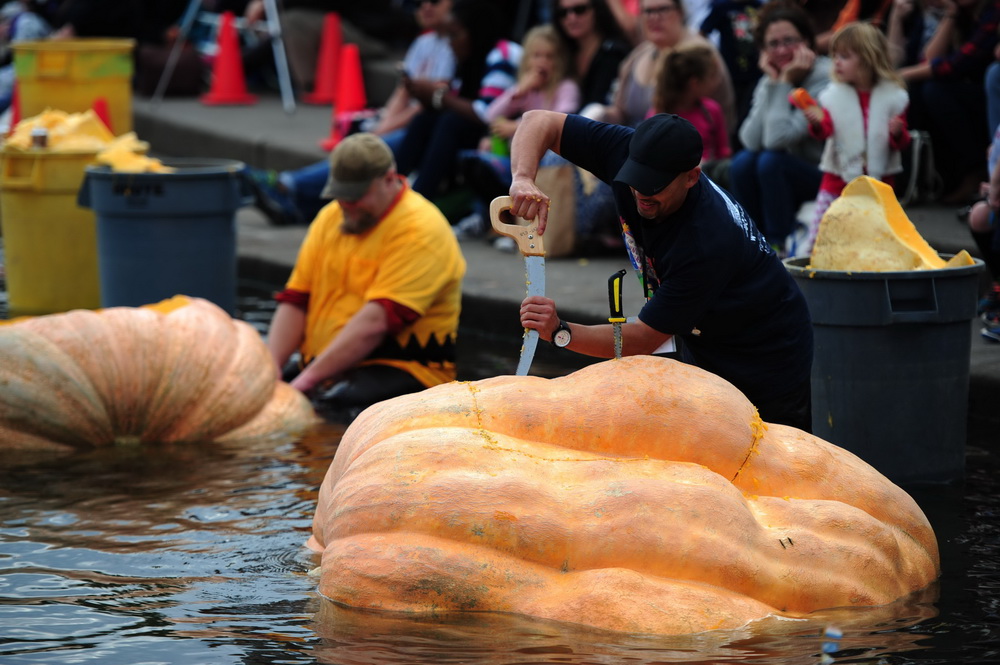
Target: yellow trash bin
x,y
71,75
50,243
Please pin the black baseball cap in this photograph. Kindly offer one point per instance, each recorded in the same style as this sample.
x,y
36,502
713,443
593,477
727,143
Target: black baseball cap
x,y
662,147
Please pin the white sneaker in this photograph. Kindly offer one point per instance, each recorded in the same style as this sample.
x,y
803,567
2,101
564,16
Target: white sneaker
x,y
797,243
505,244
470,226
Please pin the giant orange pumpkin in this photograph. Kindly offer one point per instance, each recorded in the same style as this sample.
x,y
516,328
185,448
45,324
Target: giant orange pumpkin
x,y
180,370
638,495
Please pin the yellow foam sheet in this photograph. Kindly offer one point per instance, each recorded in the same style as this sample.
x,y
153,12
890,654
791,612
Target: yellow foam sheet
x,y
85,132
865,229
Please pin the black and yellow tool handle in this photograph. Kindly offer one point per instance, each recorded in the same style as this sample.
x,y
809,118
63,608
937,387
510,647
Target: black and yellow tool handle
x,y
615,297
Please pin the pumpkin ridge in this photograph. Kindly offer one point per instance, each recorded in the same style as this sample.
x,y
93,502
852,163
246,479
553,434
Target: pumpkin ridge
x,y
425,571
186,366
784,449
83,336
248,363
39,377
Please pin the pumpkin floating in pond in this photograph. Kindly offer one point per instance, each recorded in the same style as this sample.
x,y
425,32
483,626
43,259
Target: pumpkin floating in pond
x,y
179,370
639,495
865,229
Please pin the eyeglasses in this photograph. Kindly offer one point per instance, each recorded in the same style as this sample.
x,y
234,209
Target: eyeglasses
x,y
578,10
786,42
430,2
650,12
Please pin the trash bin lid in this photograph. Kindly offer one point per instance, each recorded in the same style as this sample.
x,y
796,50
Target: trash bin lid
x,y
868,298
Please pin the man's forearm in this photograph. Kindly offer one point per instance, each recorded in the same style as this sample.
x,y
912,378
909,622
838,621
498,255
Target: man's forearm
x,y
355,342
598,341
537,132
285,333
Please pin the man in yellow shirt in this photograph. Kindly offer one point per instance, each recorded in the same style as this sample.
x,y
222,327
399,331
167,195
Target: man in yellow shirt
x,y
372,304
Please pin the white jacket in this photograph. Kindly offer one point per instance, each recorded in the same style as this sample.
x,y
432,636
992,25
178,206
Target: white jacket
x,y
851,151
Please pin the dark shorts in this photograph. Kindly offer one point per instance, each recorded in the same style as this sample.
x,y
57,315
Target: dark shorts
x,y
360,388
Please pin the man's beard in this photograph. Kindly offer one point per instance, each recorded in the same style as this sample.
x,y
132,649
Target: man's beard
x,y
359,224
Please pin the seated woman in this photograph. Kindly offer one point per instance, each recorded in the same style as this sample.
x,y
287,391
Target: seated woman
x,y
663,27
595,43
778,169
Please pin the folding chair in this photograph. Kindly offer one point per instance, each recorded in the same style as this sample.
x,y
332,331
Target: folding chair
x,y
277,44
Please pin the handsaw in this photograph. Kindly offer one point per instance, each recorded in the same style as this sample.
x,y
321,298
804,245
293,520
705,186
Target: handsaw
x,y
529,242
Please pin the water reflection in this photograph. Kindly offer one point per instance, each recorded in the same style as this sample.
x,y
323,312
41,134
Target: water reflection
x,y
179,553
355,637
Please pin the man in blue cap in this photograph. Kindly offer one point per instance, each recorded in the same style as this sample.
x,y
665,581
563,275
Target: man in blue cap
x,y
710,277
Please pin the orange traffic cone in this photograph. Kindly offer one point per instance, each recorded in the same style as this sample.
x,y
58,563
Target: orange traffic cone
x,y
101,111
228,84
15,109
350,96
326,64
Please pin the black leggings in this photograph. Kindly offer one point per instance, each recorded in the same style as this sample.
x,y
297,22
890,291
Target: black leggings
x,y
360,388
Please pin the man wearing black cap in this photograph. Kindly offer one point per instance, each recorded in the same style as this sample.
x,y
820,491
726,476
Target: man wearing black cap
x,y
710,276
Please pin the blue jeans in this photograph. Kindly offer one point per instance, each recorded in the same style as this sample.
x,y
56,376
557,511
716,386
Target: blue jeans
x,y
307,183
993,97
772,186
431,146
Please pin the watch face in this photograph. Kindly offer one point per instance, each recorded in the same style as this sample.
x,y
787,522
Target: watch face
x,y
561,338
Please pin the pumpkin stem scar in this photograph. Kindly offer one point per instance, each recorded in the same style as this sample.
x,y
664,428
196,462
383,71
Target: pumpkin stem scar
x,y
757,429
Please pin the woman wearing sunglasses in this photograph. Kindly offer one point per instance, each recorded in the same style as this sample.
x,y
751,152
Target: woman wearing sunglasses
x,y
663,27
595,42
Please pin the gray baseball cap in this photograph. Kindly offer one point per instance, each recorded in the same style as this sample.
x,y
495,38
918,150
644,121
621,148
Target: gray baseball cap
x,y
354,163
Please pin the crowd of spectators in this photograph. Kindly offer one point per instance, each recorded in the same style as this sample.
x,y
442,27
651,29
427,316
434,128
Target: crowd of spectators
x,y
941,49
741,60
619,55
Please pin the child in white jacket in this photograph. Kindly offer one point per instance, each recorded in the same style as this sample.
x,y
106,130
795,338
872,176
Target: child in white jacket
x,y
861,115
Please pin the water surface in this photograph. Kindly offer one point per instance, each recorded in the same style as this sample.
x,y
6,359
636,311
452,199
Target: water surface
x,y
192,554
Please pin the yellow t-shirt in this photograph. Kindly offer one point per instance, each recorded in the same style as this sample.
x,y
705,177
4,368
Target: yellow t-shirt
x,y
410,257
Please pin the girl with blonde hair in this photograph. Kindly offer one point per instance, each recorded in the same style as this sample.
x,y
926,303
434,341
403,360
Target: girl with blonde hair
x,y
861,115
543,82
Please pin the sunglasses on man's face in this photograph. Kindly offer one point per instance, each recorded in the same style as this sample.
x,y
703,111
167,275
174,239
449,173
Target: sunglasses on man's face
x,y
430,2
578,10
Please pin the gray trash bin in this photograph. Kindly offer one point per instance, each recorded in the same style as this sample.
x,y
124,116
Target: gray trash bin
x,y
163,234
890,379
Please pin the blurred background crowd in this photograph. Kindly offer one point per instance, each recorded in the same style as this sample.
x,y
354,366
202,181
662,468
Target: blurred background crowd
x,y
446,82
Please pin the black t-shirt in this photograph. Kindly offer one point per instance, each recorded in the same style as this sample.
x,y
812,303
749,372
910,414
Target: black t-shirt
x,y
596,83
715,281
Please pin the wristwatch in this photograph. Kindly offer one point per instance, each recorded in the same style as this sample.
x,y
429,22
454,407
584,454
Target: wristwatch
x,y
562,336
